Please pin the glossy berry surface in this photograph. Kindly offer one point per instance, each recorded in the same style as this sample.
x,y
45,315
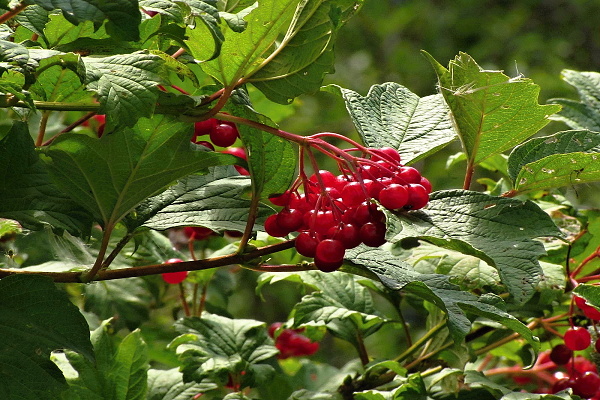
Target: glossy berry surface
x,y
577,338
561,354
174,278
224,135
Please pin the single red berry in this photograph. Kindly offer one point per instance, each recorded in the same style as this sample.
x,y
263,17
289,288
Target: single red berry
x,y
306,244
393,197
272,227
561,354
417,197
206,144
348,234
326,266
327,177
322,221
197,232
410,175
174,278
280,200
224,135
236,151
577,338
373,234
386,154
290,219
353,194
330,250
205,127
586,385
562,384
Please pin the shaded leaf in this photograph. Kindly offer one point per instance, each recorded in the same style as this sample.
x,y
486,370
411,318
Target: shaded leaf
x,y
110,176
33,18
491,112
390,115
123,15
498,230
169,385
397,275
35,319
217,200
583,114
27,191
214,346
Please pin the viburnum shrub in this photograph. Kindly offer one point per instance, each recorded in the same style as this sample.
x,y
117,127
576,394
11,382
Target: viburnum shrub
x,y
157,216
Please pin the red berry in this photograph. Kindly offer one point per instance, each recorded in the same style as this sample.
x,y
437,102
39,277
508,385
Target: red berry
x,y
348,234
197,232
586,385
327,177
205,127
273,228
353,194
393,197
236,151
206,144
174,278
386,154
410,175
326,266
322,221
306,244
577,338
561,354
417,197
373,234
280,200
290,219
274,327
426,184
562,384
330,250
224,135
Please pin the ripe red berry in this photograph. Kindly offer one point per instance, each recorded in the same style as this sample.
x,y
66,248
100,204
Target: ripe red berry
x,y
224,135
348,234
202,128
306,244
206,144
577,338
373,234
393,197
174,278
197,232
417,197
330,250
290,219
561,354
326,266
386,154
586,385
353,194
410,175
562,384
273,228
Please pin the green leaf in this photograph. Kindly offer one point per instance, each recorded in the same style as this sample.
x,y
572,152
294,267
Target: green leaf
x,y
125,299
14,56
35,19
242,53
27,191
390,115
59,32
217,200
236,21
169,385
305,54
110,176
590,293
582,114
35,319
60,78
120,371
12,82
126,86
491,112
498,230
576,141
214,347
206,24
271,159
398,275
123,15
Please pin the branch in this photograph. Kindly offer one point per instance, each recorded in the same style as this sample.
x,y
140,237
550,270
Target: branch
x,y
12,13
105,275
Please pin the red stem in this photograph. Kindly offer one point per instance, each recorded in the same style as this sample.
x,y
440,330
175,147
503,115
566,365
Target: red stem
x,y
12,13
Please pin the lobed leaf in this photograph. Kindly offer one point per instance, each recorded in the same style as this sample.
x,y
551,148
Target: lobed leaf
x,y
581,114
28,193
35,319
206,24
126,86
123,15
217,200
390,115
491,112
437,289
498,230
110,176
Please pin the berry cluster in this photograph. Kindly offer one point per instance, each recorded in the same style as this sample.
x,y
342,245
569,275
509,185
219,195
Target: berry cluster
x,y
221,133
291,343
335,212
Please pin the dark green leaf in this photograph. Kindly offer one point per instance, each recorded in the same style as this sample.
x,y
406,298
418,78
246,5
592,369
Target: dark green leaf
x,y
27,191
33,18
110,176
583,114
492,112
168,8
214,346
535,149
390,115
35,319
123,15
271,159
125,299
218,200
397,275
169,385
498,230
305,54
126,86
